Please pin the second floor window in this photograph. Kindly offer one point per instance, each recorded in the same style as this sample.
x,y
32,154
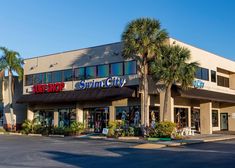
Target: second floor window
x,y
56,76
130,67
28,80
222,81
103,71
68,75
202,73
79,73
90,72
116,69
38,78
213,76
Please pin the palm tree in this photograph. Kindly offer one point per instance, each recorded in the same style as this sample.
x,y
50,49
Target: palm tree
x,y
141,39
173,68
11,62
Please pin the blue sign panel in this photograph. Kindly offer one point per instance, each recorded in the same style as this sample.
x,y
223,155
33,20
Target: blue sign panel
x,y
198,84
106,83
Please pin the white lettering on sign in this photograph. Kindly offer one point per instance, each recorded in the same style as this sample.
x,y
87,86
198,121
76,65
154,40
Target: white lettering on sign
x,y
106,83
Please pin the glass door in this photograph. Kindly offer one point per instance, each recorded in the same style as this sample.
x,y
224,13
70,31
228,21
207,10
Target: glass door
x,y
224,121
195,119
181,117
95,119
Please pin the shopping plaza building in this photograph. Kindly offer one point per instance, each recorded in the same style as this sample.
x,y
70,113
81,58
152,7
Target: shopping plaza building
x,y
96,85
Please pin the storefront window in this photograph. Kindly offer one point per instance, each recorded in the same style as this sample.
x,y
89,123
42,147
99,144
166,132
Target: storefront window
x,y
29,80
130,67
80,73
181,117
116,69
44,117
215,120
95,119
68,75
1,114
154,115
195,119
90,72
129,114
66,117
103,71
56,76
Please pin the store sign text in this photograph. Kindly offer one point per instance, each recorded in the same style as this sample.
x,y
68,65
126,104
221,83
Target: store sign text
x,y
106,83
198,84
48,88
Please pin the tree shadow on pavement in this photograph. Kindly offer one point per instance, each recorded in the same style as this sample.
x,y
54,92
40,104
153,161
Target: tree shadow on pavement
x,y
189,156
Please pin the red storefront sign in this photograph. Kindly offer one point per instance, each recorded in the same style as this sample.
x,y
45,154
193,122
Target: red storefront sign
x,y
48,88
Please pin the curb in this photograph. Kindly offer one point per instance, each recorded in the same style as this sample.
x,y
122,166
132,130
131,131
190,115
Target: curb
x,y
60,136
35,135
198,141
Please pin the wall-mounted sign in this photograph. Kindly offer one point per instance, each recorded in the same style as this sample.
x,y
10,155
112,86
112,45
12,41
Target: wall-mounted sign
x,y
48,88
105,83
198,84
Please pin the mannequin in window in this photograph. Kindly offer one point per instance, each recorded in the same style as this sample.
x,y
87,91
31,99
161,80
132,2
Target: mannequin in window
x,y
137,118
153,118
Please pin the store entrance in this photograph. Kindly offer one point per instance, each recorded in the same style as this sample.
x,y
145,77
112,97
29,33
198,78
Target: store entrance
x,y
195,119
44,117
95,119
224,121
181,117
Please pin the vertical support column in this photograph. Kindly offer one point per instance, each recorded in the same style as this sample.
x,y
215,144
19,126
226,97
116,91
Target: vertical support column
x,y
189,117
111,113
206,117
147,112
56,118
142,109
79,113
169,116
30,114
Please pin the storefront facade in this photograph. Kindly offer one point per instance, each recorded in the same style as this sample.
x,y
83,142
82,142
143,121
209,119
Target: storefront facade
x,y
96,85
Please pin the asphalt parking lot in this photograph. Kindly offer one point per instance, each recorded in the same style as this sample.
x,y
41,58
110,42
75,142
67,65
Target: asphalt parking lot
x,y
46,152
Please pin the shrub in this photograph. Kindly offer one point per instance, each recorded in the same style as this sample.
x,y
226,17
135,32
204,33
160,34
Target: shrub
x,y
77,127
113,125
58,131
165,129
2,130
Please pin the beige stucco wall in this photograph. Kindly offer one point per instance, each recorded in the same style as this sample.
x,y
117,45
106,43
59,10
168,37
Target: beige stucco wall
x,y
112,53
231,120
18,109
212,62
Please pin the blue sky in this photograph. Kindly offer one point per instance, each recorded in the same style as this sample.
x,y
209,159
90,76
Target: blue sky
x,y
36,28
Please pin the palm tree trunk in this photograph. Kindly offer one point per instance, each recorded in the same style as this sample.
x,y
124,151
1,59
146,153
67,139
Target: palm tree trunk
x,y
145,90
10,97
166,101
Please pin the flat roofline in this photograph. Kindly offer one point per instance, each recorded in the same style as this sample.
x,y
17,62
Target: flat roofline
x,y
120,42
202,49
71,50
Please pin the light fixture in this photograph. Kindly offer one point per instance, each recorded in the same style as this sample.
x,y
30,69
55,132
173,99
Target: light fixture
x,y
52,65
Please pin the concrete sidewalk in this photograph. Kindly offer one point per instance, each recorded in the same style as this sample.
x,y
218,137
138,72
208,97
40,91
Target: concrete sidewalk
x,y
146,144
197,139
